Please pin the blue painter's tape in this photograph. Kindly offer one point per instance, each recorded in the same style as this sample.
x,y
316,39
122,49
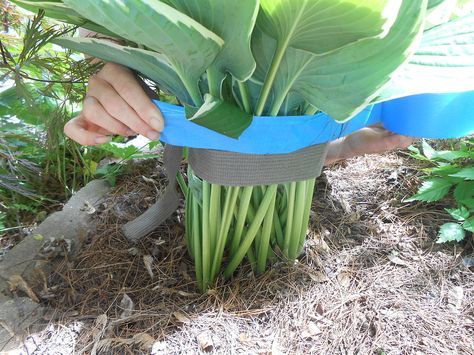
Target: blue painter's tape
x,y
423,116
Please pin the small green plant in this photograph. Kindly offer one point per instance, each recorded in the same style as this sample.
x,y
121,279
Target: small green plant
x,y
451,174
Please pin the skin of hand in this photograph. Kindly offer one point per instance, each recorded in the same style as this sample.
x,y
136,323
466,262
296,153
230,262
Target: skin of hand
x,y
369,140
115,104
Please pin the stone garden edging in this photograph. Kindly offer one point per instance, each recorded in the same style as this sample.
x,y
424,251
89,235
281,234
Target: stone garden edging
x,y
19,308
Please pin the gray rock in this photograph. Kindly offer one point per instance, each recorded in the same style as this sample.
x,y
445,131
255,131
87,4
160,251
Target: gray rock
x,y
71,225
16,317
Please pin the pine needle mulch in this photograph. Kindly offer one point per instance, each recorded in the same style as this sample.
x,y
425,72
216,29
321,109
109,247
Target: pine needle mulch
x,y
371,280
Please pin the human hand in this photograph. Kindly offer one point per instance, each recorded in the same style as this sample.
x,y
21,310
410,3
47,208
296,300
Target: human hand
x,y
369,140
115,104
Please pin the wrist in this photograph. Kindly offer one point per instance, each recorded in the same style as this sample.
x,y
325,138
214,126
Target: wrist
x,y
336,151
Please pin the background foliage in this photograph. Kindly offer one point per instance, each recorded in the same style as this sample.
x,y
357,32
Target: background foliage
x,y
450,176
42,87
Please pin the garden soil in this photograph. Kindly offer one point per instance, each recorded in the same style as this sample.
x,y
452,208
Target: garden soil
x,y
371,280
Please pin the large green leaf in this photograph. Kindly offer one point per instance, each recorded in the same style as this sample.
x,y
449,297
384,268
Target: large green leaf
x,y
434,3
188,46
343,82
443,63
289,71
233,21
150,64
220,116
321,26
59,11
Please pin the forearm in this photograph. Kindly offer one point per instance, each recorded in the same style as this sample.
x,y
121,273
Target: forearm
x,y
336,151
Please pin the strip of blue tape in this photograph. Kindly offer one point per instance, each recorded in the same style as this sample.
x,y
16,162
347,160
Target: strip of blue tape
x,y
422,116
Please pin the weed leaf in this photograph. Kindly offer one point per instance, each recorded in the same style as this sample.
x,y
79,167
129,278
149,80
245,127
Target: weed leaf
x,y
450,232
432,190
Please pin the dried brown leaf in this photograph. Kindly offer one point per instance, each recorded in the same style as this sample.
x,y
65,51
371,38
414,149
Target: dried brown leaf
x,y
205,342
344,279
127,306
148,261
182,318
394,258
17,282
319,277
310,330
455,298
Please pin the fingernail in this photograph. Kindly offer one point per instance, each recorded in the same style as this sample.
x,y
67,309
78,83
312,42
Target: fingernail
x,y
157,123
103,140
153,135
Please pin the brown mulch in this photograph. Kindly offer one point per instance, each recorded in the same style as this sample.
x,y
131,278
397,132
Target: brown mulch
x,y
371,279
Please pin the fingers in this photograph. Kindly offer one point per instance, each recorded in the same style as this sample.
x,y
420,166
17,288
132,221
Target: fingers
x,y
81,131
127,86
115,104
95,113
109,105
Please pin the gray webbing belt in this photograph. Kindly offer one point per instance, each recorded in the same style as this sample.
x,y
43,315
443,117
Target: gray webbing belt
x,y
230,169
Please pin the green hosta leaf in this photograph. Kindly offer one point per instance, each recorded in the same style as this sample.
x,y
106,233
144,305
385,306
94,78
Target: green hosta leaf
x,y
434,3
344,82
293,105
61,12
451,232
443,63
188,46
464,190
321,26
233,21
195,186
439,12
151,64
220,116
432,190
254,89
289,71
469,224
466,173
459,214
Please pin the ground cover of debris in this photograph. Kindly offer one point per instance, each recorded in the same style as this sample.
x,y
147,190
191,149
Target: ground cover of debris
x,y
371,280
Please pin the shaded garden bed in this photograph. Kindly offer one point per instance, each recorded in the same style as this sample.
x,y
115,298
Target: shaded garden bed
x,y
371,279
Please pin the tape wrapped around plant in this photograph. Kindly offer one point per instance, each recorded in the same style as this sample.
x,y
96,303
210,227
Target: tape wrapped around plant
x,y
448,115
279,150
227,169
237,169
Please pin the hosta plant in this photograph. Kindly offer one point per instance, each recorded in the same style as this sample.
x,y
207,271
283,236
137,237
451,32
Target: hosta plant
x,y
228,61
